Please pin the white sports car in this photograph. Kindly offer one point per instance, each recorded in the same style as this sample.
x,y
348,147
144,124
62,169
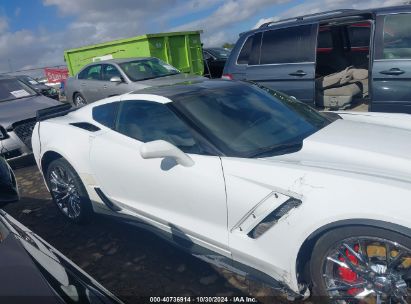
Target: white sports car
x,y
245,178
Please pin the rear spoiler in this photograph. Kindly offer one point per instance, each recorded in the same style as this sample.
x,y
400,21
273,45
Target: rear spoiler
x,y
55,111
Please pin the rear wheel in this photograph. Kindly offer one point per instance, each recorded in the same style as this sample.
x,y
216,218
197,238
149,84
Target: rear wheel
x,y
68,192
362,264
79,100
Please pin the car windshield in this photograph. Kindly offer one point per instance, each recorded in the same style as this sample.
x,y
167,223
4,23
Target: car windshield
x,y
30,80
220,53
11,88
243,120
147,69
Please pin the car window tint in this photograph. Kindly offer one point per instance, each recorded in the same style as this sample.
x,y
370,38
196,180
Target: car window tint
x,y
241,119
288,45
110,71
245,51
147,121
325,39
91,73
359,36
106,114
397,37
12,88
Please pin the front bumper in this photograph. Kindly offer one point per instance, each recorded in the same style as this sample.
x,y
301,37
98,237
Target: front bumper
x,y
18,142
13,147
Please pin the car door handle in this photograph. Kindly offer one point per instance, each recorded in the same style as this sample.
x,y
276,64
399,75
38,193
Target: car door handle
x,y
83,84
299,73
105,86
393,71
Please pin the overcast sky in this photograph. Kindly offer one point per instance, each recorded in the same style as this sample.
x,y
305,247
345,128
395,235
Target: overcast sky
x,y
34,33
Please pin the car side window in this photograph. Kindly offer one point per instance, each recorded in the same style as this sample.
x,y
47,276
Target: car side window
x,y
359,36
110,71
91,73
397,36
325,39
245,51
147,121
106,114
288,45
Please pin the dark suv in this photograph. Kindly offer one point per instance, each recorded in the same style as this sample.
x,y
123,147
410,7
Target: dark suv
x,y
333,59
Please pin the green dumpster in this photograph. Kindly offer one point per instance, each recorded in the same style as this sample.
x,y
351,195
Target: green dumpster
x,y
180,49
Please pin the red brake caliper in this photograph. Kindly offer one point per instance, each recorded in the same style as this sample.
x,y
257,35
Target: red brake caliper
x,y
348,275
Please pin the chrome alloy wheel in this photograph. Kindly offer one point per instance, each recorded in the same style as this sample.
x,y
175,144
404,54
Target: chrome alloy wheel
x,y
65,192
79,101
368,270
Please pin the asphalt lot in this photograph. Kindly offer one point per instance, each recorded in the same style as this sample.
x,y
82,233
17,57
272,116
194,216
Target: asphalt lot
x,y
127,260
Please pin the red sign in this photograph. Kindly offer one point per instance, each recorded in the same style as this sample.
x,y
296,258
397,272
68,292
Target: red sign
x,y
56,75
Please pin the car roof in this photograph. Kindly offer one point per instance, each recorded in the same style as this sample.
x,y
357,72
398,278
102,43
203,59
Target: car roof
x,y
120,60
332,15
189,87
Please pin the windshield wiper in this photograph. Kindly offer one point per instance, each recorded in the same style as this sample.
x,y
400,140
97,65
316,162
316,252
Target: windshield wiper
x,y
154,77
276,148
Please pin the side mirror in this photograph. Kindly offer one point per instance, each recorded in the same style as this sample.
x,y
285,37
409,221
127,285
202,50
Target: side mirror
x,y
162,149
116,79
9,192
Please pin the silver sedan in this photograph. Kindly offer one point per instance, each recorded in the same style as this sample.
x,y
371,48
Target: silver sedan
x,y
112,77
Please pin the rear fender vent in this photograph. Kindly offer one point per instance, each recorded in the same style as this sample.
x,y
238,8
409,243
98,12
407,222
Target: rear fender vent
x,y
86,126
272,218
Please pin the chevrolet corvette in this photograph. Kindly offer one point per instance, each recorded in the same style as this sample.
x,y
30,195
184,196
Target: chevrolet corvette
x,y
246,178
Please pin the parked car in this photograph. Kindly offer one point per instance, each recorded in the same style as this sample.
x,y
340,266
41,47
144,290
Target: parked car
x,y
33,270
39,87
333,59
246,178
9,192
118,76
18,106
214,61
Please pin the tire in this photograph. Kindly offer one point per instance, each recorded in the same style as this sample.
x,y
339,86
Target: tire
x,y
68,192
369,238
79,100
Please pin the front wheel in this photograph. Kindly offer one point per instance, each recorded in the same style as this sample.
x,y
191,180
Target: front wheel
x,y
68,192
362,264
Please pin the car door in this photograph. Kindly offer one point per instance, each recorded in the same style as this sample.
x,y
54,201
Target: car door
x,y
112,88
188,202
89,82
284,59
391,72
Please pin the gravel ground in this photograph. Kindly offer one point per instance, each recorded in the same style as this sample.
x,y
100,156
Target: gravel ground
x,y
127,260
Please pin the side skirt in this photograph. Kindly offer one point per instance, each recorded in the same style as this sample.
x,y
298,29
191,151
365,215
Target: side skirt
x,y
178,239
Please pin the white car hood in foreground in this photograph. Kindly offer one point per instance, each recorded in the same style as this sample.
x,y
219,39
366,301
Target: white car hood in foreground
x,y
359,147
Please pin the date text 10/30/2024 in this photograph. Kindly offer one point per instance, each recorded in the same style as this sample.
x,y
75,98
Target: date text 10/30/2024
x,y
199,299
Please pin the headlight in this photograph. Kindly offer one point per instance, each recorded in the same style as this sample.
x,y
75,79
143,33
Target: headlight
x,y
3,133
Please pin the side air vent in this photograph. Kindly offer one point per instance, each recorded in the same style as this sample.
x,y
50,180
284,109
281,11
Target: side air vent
x,y
86,126
106,200
271,219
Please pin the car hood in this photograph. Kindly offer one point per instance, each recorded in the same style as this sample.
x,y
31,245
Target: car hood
x,y
172,79
358,147
23,108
